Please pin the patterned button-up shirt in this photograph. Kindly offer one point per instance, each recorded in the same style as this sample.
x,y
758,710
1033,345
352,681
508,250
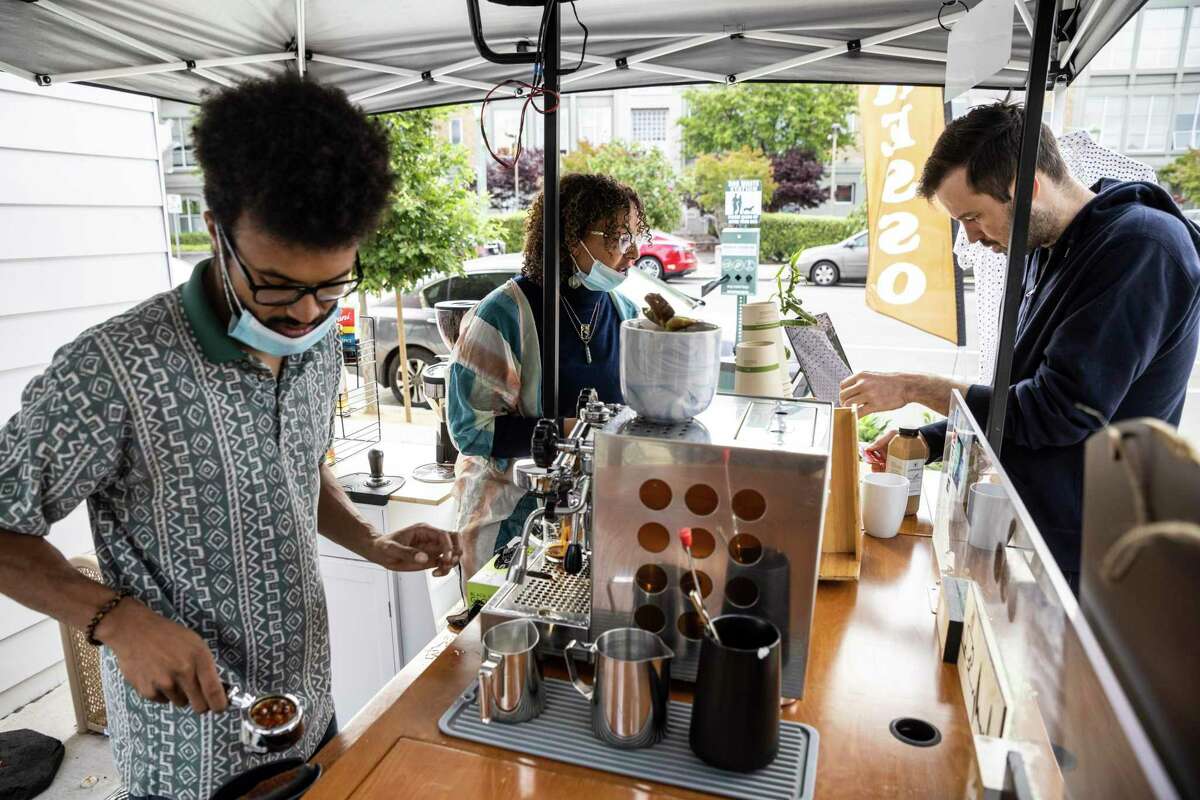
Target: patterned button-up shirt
x,y
200,471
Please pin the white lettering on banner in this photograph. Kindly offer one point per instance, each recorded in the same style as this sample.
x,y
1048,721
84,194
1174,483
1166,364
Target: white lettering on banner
x,y
897,128
914,286
898,184
887,94
898,233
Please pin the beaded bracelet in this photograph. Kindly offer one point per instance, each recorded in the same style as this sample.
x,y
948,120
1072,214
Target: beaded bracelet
x,y
104,609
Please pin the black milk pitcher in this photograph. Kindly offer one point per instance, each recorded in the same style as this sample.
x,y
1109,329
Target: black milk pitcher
x,y
735,713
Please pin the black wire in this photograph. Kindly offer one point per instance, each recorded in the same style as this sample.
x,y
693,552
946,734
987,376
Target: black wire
x,y
949,4
583,54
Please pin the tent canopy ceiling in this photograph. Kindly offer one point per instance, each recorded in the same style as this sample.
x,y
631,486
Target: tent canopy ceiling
x,y
396,54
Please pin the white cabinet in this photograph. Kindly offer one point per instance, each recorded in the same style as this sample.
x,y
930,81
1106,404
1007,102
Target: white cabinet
x,y
363,636
380,620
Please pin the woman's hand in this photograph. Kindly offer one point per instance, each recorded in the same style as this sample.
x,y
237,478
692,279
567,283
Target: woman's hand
x,y
876,451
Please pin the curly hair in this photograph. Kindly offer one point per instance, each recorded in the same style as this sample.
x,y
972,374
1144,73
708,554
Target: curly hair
x,y
310,167
586,203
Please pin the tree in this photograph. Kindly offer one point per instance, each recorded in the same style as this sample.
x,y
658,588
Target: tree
x,y
433,219
798,173
644,168
771,118
500,180
710,173
1183,175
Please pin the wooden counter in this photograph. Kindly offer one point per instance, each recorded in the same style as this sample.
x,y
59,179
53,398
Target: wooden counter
x,y
873,658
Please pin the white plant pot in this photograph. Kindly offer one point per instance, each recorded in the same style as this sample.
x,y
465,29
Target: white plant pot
x,y
669,376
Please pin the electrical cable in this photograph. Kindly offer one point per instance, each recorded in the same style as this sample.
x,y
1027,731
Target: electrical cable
x,y
534,89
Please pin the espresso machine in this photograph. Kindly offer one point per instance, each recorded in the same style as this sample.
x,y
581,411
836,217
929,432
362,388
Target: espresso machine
x,y
749,478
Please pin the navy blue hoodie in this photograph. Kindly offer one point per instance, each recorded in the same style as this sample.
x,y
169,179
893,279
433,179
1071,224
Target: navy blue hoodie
x,y
1109,320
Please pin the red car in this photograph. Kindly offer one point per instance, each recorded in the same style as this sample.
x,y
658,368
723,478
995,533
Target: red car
x,y
666,256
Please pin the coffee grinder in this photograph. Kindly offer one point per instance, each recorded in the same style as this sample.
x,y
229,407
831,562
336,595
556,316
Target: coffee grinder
x,y
436,380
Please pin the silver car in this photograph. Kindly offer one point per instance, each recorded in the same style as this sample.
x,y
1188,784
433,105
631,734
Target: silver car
x,y
830,264
420,325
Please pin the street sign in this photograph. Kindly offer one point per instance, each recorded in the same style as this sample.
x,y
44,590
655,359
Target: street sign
x,y
739,261
743,202
174,204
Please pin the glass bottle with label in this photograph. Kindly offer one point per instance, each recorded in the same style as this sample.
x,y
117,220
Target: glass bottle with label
x,y
906,456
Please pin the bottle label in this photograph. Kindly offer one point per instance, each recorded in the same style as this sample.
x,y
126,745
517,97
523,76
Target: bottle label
x,y
912,469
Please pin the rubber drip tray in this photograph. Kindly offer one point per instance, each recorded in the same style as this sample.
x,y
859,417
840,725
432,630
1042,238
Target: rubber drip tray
x,y
563,732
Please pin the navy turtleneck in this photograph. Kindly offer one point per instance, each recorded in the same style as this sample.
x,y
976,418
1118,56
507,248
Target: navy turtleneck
x,y
512,433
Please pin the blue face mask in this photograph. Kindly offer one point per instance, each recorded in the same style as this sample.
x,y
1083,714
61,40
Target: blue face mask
x,y
602,278
247,329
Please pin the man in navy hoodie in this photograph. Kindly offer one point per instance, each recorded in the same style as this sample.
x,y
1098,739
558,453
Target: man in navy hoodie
x,y
1107,324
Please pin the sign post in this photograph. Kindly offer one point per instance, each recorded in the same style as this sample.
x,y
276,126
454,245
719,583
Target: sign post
x,y
175,208
740,243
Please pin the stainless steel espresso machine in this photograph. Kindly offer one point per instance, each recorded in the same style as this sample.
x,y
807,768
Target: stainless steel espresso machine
x,y
748,476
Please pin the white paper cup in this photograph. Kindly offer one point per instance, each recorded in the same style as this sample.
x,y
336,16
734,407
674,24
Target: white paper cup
x,y
756,369
884,497
990,515
761,323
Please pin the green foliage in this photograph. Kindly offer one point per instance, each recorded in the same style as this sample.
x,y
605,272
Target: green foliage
x,y
785,235
434,220
510,229
709,174
1183,175
644,168
192,241
771,118
871,426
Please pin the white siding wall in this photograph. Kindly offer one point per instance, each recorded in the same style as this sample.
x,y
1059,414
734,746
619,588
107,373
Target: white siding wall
x,y
82,238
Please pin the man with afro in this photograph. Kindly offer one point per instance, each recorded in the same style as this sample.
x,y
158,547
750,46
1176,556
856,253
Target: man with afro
x,y
195,427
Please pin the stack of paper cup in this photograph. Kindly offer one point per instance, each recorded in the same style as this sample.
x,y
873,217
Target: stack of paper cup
x,y
756,369
760,323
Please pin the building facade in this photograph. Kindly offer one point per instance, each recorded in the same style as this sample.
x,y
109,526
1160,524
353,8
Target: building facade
x,y
1140,96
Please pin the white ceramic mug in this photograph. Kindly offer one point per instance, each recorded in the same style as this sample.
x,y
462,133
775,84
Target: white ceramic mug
x,y
884,498
989,515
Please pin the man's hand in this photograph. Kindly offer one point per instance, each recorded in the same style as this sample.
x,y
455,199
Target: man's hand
x,y
876,391
417,547
162,660
876,451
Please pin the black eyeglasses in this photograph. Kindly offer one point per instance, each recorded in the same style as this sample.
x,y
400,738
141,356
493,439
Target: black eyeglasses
x,y
285,295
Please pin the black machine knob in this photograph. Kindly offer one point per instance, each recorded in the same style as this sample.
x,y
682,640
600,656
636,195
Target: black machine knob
x,y
573,559
375,461
544,444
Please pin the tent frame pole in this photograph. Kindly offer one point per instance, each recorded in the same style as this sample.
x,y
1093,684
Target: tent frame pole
x,y
301,59
550,215
1035,96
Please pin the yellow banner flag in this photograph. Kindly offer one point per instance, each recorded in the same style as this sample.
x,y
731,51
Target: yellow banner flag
x,y
910,274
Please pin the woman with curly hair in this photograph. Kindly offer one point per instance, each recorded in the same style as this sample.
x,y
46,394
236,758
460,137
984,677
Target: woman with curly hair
x,y
496,372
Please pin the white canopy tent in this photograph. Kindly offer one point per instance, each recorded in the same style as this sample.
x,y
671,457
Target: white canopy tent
x,y
396,54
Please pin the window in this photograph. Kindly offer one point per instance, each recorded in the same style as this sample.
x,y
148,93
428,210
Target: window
x,y
861,240
192,218
649,124
1149,117
844,193
476,285
182,154
435,292
1102,118
1162,32
456,131
1187,122
595,124
1191,57
1118,53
